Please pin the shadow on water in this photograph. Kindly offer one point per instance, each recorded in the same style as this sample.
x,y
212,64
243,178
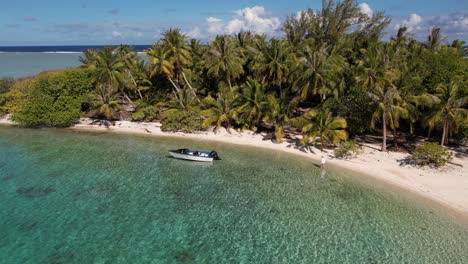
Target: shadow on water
x,y
34,192
184,256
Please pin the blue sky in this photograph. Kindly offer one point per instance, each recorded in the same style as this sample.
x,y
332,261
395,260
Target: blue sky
x,y
62,22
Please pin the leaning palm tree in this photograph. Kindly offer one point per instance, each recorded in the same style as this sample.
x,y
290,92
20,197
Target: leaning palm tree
x,y
223,59
161,64
222,109
135,69
174,42
450,110
320,123
89,58
254,100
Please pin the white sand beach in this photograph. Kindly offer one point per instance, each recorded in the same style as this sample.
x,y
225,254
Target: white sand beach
x,y
447,186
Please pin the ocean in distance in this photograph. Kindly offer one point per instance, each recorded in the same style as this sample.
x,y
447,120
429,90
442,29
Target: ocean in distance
x,y
24,61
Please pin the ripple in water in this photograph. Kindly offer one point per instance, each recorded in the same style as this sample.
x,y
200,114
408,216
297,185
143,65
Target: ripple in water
x,y
82,198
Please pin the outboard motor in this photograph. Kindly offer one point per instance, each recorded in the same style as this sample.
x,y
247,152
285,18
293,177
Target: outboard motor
x,y
214,155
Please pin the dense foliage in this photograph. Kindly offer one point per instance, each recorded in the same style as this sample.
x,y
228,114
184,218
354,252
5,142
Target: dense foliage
x,y
329,78
182,121
5,86
431,154
50,99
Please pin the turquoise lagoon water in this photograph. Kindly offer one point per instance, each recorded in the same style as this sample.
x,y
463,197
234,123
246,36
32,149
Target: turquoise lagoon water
x,y
23,64
76,197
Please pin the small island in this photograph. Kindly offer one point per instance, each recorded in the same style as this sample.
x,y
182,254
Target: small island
x,y
332,87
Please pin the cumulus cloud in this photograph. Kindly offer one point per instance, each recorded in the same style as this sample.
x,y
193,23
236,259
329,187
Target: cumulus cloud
x,y
194,33
253,18
248,19
366,9
413,20
454,25
412,23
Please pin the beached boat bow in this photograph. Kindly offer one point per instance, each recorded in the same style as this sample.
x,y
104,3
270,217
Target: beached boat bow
x,y
194,155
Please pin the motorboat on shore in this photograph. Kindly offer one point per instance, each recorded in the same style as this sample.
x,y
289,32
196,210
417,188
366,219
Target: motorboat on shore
x,y
195,155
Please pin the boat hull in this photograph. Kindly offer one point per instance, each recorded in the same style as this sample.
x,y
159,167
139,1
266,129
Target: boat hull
x,y
190,157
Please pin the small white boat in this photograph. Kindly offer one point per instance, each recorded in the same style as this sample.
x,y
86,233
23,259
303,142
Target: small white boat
x,y
194,155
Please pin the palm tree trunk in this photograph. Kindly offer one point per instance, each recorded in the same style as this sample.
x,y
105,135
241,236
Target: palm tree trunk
x,y
444,133
134,83
384,122
190,86
321,143
128,99
173,84
395,137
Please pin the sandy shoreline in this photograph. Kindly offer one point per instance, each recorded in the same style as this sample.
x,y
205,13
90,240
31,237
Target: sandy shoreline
x,y
448,186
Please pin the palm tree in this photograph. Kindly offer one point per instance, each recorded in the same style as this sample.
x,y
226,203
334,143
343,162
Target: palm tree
x,y
321,69
171,57
135,69
161,64
224,60
279,110
435,39
377,77
222,109
108,73
174,42
255,100
322,124
273,61
89,58
388,111
449,111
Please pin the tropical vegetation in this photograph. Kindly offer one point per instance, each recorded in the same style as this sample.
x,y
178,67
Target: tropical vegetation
x,y
330,77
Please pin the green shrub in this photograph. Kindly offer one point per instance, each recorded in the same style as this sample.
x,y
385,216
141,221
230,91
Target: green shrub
x,y
431,154
354,107
348,150
5,85
179,120
146,113
50,99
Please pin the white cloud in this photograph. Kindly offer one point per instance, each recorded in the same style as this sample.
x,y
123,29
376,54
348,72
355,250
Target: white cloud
x,y
195,33
250,18
413,20
215,25
454,25
413,23
235,25
139,34
117,34
213,20
366,9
